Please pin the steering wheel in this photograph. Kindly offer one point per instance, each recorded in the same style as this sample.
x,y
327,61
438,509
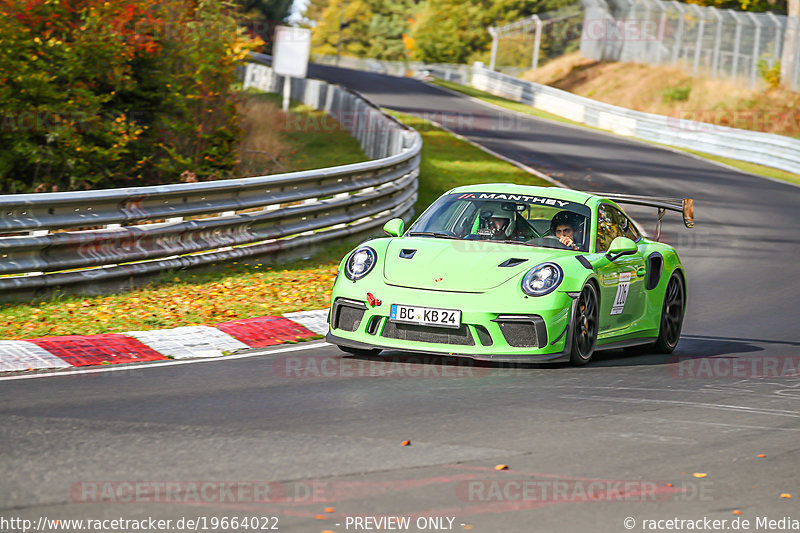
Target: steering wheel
x,y
550,238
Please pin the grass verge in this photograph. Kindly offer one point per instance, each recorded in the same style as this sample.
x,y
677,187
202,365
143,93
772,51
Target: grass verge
x,y
751,168
239,291
301,139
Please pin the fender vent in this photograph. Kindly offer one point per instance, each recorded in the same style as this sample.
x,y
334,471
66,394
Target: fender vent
x,y
407,254
512,262
655,265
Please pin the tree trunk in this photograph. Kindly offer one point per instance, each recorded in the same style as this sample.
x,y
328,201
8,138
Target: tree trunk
x,y
791,44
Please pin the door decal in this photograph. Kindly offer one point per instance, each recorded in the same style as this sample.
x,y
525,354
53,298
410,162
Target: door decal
x,y
622,293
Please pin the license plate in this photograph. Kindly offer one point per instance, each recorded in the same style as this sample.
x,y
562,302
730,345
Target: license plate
x,y
427,316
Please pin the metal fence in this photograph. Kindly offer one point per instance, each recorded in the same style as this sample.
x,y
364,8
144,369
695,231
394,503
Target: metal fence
x,y
527,43
721,43
55,239
767,149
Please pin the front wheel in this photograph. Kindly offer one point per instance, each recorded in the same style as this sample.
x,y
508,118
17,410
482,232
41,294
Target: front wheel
x,y
671,315
584,331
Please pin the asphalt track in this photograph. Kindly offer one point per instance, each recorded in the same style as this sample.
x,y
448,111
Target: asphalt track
x,y
325,431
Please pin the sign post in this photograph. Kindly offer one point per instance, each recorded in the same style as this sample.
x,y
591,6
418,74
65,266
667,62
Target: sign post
x,y
290,56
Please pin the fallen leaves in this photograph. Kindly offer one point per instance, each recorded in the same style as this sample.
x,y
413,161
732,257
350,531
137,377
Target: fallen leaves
x,y
737,512
248,293
405,443
700,474
786,495
501,467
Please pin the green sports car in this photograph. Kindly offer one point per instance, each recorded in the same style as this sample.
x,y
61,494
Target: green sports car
x,y
513,273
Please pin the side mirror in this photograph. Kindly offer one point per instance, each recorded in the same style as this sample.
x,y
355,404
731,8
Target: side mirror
x,y
394,227
621,246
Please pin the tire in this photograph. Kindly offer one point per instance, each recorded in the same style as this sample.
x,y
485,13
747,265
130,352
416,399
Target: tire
x,y
586,322
363,352
672,311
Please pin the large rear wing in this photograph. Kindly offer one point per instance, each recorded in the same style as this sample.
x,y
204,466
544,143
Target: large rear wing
x,y
684,206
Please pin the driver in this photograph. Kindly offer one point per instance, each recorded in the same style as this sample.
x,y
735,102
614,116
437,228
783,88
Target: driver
x,y
563,227
495,222
500,224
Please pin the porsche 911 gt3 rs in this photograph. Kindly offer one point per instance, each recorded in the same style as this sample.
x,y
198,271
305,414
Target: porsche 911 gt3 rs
x,y
513,273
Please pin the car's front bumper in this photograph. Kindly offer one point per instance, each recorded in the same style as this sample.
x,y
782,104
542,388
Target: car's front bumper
x,y
558,357
499,325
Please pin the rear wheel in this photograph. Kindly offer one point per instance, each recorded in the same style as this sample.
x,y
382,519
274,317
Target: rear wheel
x,y
584,331
364,352
671,315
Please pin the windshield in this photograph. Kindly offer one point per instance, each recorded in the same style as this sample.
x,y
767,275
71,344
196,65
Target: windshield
x,y
509,218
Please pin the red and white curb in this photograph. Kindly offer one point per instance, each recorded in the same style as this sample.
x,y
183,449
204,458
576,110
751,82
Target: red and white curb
x,y
176,343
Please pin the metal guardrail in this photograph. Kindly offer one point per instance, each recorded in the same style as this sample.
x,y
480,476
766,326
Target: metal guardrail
x,y
457,73
776,151
54,239
766,149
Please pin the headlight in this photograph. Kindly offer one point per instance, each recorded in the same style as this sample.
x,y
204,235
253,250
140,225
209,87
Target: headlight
x,y
360,263
542,279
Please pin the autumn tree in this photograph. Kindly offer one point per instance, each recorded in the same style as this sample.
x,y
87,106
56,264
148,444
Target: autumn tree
x,y
455,32
108,94
261,16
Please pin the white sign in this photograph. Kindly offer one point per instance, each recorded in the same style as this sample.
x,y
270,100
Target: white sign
x,y
622,293
291,50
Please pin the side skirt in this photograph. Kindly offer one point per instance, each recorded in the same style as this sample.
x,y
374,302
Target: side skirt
x,y
626,343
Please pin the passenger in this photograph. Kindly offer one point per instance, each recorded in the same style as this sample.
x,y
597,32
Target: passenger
x,y
563,226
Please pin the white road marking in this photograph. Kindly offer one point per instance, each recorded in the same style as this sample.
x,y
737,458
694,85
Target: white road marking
x,y
157,364
720,406
675,421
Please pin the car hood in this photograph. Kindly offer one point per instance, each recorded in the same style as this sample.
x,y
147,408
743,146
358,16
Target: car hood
x,y
457,265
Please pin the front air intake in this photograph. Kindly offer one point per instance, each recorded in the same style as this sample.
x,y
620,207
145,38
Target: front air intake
x,y
347,314
432,334
523,331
